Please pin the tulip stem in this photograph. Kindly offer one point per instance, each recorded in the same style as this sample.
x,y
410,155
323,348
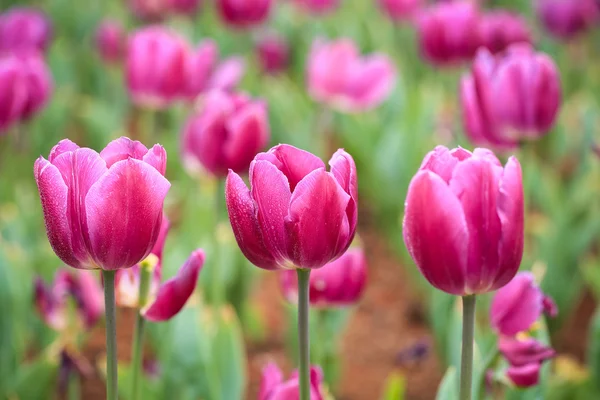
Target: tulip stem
x,y
138,339
466,362
303,332
111,334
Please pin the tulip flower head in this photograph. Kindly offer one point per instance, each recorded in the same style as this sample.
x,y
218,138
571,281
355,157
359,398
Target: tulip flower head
x,y
566,19
244,13
338,76
102,210
500,29
110,41
503,102
273,54
24,29
318,7
337,284
401,10
296,213
463,220
274,387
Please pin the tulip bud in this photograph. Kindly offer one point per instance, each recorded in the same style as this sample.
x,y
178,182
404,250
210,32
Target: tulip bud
x,y
318,7
110,41
149,10
13,91
337,284
156,67
500,29
24,29
463,221
449,32
273,386
504,103
401,10
273,54
244,13
519,304
226,132
339,76
566,18
185,7
297,215
102,210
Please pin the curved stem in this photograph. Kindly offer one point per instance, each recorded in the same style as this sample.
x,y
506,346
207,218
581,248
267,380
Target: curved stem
x,y
111,334
138,339
466,362
303,332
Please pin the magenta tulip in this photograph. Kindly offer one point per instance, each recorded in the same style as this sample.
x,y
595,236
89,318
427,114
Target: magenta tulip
x,y
524,376
567,18
296,214
339,76
318,7
273,54
156,67
401,10
102,210
449,32
225,133
463,221
274,387
39,84
500,29
110,41
337,284
13,91
185,7
503,103
244,13
24,29
525,358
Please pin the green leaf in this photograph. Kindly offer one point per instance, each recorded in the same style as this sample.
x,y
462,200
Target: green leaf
x,y
448,389
395,387
34,381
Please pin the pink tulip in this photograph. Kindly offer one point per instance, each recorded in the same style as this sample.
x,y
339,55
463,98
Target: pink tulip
x,y
273,54
149,10
337,284
500,29
463,221
102,210
274,387
524,376
519,304
52,301
401,10
24,29
503,102
226,132
13,91
39,84
525,358
449,32
110,41
339,76
567,18
156,67
318,7
185,7
296,215
244,13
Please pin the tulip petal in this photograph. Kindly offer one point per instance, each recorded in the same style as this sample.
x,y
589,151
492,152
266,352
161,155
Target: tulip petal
x,y
244,223
122,149
157,157
372,81
435,232
317,224
292,161
162,237
124,213
248,133
524,376
63,146
442,161
344,170
522,352
227,74
175,292
272,377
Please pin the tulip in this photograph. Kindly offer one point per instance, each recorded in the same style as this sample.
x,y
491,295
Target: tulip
x,y
156,67
273,54
110,41
449,32
566,18
184,7
13,91
149,10
525,358
318,7
24,28
39,84
274,387
401,10
244,13
500,29
524,376
339,76
296,215
337,284
504,103
102,210
519,304
225,133
463,223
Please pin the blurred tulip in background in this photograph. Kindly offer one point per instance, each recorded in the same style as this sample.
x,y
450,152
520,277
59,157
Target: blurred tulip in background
x,y
24,29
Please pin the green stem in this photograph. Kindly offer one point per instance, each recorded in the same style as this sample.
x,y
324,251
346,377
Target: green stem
x,y
466,362
111,334
303,332
217,289
74,391
138,339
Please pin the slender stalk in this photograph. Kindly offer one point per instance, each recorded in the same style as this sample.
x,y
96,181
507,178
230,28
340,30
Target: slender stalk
x,y
138,339
111,334
466,362
219,199
303,332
